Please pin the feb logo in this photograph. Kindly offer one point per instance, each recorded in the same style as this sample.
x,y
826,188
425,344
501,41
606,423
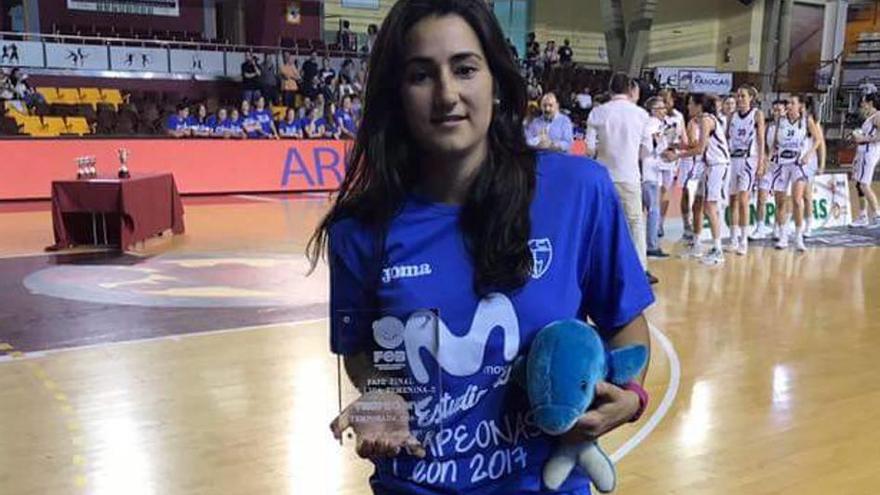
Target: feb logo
x,y
542,254
388,332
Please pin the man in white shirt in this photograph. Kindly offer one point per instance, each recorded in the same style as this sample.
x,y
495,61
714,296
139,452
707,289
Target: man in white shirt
x,y
617,136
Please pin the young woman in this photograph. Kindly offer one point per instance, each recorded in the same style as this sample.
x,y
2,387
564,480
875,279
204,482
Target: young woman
x,y
867,138
690,170
793,153
676,137
444,207
746,133
726,110
770,175
712,146
815,165
289,127
652,173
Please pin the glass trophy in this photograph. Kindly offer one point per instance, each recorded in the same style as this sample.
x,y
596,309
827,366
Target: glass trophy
x,y
397,397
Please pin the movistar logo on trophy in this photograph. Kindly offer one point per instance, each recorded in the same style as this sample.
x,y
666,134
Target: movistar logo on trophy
x,y
461,356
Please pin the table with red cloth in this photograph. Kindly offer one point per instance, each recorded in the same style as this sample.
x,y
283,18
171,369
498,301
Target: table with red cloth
x,y
127,211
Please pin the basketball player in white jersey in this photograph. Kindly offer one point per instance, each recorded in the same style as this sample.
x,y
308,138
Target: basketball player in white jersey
x,y
771,170
690,169
712,145
816,166
728,108
791,147
867,154
745,132
676,137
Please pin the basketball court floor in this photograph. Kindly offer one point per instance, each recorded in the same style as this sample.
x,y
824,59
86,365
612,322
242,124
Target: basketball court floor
x,y
199,364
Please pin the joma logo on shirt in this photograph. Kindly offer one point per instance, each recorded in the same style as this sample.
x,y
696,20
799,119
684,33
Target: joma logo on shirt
x,y
405,271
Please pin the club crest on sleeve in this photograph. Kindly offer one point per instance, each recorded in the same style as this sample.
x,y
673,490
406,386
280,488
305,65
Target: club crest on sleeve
x,y
542,254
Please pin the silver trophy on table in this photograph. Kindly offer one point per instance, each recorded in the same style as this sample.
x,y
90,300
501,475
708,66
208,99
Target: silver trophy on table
x,y
123,154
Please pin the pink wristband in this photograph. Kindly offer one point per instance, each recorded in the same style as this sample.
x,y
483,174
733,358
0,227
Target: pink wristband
x,y
643,399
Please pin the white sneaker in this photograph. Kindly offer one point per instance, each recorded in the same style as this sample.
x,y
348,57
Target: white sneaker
x,y
799,243
808,230
713,257
743,247
777,232
758,232
693,251
732,245
862,221
782,242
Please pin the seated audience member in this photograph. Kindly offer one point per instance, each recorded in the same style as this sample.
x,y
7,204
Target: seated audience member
x,y
345,120
249,121
235,126
176,124
290,126
219,123
328,122
553,130
198,123
356,109
310,125
264,117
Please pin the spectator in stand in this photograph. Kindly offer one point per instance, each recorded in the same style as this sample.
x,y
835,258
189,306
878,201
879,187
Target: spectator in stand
x,y
310,125
513,49
320,103
236,129
566,54
327,73
533,51
534,89
551,56
198,123
584,99
290,127
345,120
269,79
328,122
348,70
357,109
6,88
219,124
312,88
176,124
290,79
249,122
345,89
345,38
372,31
553,131
22,89
310,71
263,116
250,76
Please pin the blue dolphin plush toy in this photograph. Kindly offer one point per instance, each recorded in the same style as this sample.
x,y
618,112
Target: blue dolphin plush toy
x,y
566,361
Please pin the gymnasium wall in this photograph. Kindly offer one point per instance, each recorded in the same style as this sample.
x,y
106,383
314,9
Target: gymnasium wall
x,y
681,35
359,18
266,23
191,17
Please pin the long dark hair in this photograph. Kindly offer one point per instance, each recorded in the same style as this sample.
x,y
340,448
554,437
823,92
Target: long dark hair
x,y
495,216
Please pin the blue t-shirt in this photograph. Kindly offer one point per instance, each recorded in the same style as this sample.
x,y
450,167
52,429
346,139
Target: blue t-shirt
x,y
264,117
288,129
249,120
193,123
175,123
347,119
481,438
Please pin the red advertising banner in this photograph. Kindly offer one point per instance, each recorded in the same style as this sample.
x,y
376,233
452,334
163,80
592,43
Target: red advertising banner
x,y
28,167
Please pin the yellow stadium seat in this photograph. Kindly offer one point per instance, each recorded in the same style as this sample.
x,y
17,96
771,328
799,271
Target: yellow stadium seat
x,y
278,112
78,126
14,108
68,96
91,96
54,125
33,126
112,97
50,94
